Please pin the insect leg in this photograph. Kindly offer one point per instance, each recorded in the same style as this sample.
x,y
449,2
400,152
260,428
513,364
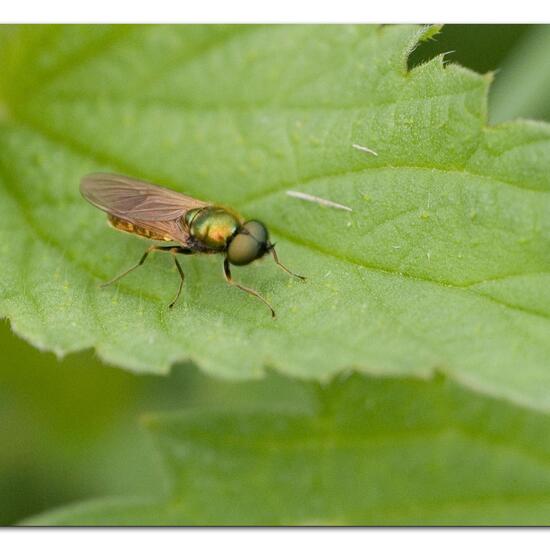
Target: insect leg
x,y
180,271
152,248
141,261
284,268
228,278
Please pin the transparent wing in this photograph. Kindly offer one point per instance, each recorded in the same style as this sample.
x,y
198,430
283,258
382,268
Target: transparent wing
x,y
135,200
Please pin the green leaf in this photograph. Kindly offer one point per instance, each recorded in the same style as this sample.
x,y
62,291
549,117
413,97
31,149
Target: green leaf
x,y
356,452
443,263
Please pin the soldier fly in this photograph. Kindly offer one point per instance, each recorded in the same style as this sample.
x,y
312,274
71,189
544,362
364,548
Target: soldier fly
x,y
190,225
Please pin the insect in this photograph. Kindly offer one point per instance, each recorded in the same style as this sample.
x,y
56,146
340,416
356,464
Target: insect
x,y
190,225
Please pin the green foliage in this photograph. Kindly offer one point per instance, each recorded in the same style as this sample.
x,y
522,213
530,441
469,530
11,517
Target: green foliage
x,y
433,291
359,451
443,262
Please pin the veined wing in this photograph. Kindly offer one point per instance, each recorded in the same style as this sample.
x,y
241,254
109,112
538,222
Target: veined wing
x,y
165,230
135,200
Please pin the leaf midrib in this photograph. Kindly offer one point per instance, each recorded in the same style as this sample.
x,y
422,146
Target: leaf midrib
x,y
61,97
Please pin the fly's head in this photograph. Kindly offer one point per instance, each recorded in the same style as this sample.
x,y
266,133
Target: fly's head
x,y
250,242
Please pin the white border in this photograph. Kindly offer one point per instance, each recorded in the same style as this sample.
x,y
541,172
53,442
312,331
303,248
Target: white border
x,y
273,539
281,11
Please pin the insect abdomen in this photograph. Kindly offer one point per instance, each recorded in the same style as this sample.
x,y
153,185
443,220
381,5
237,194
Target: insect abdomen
x,y
130,227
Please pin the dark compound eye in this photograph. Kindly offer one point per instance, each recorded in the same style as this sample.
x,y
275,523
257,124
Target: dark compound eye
x,y
248,244
257,229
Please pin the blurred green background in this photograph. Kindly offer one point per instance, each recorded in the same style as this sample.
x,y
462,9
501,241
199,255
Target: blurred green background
x,y
69,429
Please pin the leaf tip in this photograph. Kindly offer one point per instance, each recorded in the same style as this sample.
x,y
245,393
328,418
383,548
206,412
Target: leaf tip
x,y
489,76
429,32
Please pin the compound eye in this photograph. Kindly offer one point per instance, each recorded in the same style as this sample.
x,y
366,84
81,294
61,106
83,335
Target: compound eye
x,y
257,229
243,249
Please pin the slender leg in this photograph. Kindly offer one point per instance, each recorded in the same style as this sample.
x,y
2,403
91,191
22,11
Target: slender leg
x,y
152,248
173,250
285,269
228,278
180,271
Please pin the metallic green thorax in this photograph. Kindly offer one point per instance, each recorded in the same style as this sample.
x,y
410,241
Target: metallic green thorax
x,y
213,226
